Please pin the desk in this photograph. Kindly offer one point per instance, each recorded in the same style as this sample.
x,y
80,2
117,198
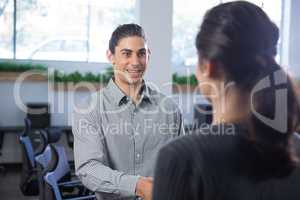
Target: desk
x,y
8,129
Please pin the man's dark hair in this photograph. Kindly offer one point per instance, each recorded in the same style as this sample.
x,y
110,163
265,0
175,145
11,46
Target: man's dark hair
x,y
122,31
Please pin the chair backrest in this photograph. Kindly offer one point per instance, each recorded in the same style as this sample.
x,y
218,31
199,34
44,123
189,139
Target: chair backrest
x,y
58,167
43,136
42,161
27,145
43,154
28,179
296,142
63,167
27,128
44,158
53,134
29,153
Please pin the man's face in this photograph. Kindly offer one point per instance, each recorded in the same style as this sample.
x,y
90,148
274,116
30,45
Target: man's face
x,y
130,60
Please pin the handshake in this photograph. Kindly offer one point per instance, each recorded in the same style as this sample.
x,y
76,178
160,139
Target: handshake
x,y
144,188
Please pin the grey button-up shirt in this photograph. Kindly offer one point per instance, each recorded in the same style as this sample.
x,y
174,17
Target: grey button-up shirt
x,y
117,141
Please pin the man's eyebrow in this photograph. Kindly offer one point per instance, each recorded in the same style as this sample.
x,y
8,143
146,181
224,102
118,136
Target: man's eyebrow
x,y
126,50
142,49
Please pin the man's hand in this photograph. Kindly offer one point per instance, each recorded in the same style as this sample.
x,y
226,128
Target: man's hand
x,y
144,188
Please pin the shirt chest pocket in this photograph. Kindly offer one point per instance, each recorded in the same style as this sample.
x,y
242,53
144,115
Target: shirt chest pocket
x,y
161,132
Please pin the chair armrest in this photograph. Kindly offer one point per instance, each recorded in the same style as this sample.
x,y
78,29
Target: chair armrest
x,y
70,183
84,197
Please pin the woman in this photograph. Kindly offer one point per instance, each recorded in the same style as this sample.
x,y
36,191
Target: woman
x,y
248,152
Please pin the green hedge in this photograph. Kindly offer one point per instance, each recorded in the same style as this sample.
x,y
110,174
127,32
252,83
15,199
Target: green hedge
x,y
15,67
104,78
76,77
184,80
87,77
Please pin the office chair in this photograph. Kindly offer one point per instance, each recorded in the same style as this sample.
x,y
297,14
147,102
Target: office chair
x,y
29,182
57,168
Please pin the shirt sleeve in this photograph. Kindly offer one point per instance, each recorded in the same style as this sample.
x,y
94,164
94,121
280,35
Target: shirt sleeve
x,y
91,161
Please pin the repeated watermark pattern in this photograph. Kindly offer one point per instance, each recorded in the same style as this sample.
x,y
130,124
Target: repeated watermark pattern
x,y
279,122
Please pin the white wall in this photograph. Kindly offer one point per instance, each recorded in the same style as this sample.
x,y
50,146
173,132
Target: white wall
x,y
294,39
61,102
155,17
10,114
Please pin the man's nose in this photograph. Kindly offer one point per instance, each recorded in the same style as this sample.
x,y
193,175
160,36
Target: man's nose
x,y
135,60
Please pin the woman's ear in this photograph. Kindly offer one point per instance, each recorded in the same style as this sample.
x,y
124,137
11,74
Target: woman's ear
x,y
208,68
203,69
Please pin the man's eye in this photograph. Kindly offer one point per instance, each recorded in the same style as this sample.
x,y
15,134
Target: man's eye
x,y
142,54
127,54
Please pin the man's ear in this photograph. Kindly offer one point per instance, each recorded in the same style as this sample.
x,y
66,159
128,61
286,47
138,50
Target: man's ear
x,y
110,57
149,53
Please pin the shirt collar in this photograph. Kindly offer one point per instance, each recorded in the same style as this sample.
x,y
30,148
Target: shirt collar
x,y
145,92
119,97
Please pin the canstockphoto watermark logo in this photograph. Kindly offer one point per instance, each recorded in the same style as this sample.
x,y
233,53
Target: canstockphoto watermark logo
x,y
277,81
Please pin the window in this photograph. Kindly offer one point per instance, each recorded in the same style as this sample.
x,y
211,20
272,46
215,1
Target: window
x,y
272,8
61,49
186,21
40,23
105,16
6,30
71,30
274,11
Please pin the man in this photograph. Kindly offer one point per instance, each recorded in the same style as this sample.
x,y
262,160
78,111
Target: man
x,y
117,140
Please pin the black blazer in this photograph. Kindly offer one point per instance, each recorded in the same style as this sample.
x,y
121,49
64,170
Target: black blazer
x,y
219,166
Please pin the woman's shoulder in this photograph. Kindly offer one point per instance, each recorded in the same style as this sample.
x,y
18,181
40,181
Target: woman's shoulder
x,y
213,141
209,135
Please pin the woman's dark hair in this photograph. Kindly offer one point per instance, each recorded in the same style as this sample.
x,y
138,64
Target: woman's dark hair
x,y
243,40
125,30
